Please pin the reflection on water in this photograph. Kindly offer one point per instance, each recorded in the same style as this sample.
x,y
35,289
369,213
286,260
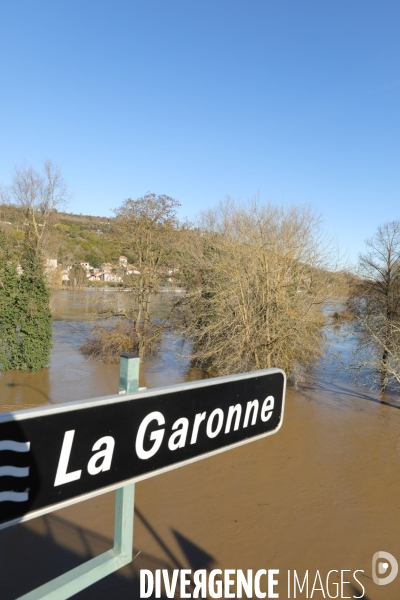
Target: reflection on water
x,y
74,306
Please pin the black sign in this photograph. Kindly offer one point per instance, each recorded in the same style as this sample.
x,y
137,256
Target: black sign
x,y
54,455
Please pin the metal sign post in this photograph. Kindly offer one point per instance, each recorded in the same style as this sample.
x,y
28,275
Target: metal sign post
x,y
93,570
59,455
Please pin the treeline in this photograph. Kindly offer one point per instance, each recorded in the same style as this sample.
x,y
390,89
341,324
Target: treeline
x,y
255,279
258,281
374,304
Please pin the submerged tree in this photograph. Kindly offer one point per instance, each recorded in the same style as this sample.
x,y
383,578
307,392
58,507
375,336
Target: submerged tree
x,y
147,231
257,283
375,302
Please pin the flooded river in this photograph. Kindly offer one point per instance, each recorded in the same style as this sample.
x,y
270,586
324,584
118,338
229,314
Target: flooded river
x,y
322,494
70,376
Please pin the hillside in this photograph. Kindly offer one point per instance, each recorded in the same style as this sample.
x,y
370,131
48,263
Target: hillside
x,y
71,238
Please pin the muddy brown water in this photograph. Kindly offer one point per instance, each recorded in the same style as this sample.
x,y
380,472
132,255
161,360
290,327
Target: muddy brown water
x,y
322,494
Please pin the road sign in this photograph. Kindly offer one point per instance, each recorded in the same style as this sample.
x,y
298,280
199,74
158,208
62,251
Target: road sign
x,y
54,456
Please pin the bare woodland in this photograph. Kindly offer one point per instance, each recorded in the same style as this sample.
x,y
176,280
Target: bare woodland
x,y
258,280
374,301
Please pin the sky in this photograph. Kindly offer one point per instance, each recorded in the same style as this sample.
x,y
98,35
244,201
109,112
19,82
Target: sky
x,y
296,101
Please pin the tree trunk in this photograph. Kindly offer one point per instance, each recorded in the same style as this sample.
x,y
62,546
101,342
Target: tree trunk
x,y
384,371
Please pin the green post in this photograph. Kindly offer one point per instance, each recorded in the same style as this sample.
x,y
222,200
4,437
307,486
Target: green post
x,y
128,373
125,497
97,568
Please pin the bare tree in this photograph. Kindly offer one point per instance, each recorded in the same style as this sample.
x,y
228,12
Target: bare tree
x,y
258,280
39,195
375,303
147,231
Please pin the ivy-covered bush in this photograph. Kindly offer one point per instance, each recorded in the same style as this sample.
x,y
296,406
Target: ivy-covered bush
x,y
9,345
25,316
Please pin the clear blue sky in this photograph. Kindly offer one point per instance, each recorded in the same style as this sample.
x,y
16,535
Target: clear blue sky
x,y
198,99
